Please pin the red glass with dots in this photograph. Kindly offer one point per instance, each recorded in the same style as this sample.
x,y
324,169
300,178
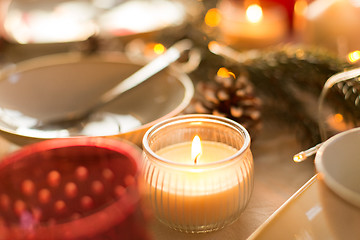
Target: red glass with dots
x,y
83,188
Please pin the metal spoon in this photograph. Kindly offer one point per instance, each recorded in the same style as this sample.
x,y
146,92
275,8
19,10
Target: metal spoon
x,y
75,119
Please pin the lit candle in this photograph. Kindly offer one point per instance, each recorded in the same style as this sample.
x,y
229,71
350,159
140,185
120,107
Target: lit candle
x,y
198,185
333,24
252,24
201,192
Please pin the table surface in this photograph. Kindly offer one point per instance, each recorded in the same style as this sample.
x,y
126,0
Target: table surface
x,y
277,178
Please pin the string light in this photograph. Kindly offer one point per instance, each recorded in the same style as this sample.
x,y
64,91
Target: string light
x,y
159,48
354,56
212,17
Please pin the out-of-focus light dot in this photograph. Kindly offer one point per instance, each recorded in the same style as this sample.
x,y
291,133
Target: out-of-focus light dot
x,y
213,46
254,13
159,48
223,72
300,7
212,17
338,118
354,56
298,158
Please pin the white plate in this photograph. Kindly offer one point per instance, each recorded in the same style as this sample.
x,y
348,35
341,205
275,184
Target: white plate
x,y
313,212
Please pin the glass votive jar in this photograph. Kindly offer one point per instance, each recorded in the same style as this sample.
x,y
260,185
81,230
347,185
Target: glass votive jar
x,y
338,105
206,191
78,188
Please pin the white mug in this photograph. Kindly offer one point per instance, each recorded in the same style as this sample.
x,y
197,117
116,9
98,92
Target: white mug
x,y
338,165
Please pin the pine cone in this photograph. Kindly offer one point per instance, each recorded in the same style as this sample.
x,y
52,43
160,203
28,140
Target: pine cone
x,y
230,97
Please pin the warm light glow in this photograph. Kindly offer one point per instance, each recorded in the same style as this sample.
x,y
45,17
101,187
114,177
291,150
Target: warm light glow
x,y
338,118
254,13
159,48
223,72
214,46
299,157
196,149
212,17
337,122
354,56
131,17
70,21
300,7
152,49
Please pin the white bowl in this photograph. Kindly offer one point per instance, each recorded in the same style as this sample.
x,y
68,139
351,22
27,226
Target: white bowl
x,y
50,86
338,164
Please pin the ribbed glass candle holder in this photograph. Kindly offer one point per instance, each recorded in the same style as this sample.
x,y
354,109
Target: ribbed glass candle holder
x,y
204,193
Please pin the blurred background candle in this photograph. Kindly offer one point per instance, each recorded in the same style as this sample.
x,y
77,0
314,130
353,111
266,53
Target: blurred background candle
x,y
331,24
252,24
198,185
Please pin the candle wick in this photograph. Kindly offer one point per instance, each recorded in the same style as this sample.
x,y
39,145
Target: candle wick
x,y
196,158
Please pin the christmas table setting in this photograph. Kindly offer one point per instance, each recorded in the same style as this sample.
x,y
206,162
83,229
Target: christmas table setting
x,y
197,141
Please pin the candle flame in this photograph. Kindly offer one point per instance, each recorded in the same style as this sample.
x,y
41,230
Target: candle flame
x,y
196,149
254,13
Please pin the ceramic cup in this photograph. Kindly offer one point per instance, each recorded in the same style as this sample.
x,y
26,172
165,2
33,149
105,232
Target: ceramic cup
x,y
338,165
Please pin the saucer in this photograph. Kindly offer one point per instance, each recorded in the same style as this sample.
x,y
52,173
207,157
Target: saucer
x,y
313,212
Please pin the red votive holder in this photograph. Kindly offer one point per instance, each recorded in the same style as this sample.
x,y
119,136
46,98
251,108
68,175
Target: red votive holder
x,y
80,188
